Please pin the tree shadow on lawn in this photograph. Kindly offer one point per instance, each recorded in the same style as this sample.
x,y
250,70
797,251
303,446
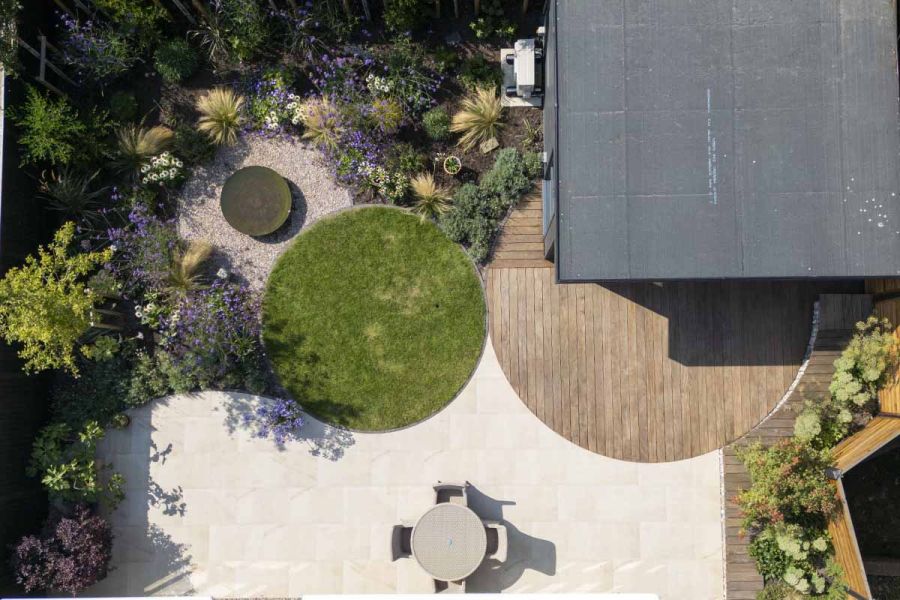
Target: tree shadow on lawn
x,y
308,375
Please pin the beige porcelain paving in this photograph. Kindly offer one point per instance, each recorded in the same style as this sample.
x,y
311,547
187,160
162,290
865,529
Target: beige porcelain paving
x,y
212,510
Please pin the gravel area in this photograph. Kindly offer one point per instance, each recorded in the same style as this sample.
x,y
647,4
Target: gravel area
x,y
314,191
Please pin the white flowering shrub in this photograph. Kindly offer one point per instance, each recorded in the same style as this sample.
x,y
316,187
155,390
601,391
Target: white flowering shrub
x,y
163,169
390,186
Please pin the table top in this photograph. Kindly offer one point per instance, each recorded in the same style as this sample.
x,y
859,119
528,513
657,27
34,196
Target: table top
x,y
449,541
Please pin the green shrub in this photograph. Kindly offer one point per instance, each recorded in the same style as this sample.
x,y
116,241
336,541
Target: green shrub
x,y
193,146
406,159
865,365
140,20
406,15
771,562
437,124
789,484
123,107
9,47
175,60
51,129
533,164
478,71
492,21
64,460
471,221
508,179
474,217
128,379
778,590
45,304
234,31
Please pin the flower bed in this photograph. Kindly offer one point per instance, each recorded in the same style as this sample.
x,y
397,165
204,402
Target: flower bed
x,y
144,293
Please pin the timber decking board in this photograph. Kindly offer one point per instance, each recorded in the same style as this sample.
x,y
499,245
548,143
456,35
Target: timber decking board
x,y
846,549
649,372
839,313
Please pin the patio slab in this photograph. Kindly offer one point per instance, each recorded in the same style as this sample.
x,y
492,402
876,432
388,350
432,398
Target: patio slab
x,y
211,510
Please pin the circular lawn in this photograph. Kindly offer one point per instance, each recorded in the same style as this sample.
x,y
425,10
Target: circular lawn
x,y
373,319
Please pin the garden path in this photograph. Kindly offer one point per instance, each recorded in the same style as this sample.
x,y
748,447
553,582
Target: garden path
x,y
213,511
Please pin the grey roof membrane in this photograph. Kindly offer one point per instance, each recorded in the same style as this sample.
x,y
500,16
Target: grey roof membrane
x,y
705,139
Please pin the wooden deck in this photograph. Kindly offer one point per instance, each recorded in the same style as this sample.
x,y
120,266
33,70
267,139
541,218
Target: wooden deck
x,y
647,372
837,315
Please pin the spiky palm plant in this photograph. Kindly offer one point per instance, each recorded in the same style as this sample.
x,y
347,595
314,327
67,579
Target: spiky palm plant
x,y
221,115
70,192
479,118
432,200
322,122
137,145
184,270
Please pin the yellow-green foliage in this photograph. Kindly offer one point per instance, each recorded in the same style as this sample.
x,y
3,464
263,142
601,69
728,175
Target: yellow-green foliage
x,y
867,363
479,118
321,122
432,200
45,305
221,115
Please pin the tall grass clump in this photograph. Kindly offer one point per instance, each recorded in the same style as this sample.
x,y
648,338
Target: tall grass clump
x,y
221,115
479,119
432,200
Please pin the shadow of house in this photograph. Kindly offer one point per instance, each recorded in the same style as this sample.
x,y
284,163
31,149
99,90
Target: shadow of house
x,y
723,323
524,552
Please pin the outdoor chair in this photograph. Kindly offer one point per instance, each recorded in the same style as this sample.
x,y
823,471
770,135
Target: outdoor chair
x,y
497,543
400,542
449,587
451,492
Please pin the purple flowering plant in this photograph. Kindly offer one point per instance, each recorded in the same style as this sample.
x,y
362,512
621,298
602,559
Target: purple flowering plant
x,y
142,251
212,337
278,419
95,50
272,105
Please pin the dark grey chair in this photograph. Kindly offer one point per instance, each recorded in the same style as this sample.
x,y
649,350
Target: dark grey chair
x,y
401,546
451,492
449,587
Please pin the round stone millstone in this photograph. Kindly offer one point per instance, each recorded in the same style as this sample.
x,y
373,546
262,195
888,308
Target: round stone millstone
x,y
256,200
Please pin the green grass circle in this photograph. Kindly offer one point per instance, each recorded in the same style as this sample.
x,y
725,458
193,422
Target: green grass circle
x,y
373,319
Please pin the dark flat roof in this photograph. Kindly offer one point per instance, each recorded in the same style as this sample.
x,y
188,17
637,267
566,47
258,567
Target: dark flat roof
x,y
705,139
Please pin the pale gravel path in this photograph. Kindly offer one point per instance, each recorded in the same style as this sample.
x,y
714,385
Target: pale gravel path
x,y
314,190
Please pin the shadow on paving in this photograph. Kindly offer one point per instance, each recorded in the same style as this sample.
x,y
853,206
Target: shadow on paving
x,y
524,552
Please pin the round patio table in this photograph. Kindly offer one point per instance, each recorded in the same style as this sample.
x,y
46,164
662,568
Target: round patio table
x,y
449,541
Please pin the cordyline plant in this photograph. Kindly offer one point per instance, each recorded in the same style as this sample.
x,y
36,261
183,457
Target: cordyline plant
x,y
72,554
46,306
